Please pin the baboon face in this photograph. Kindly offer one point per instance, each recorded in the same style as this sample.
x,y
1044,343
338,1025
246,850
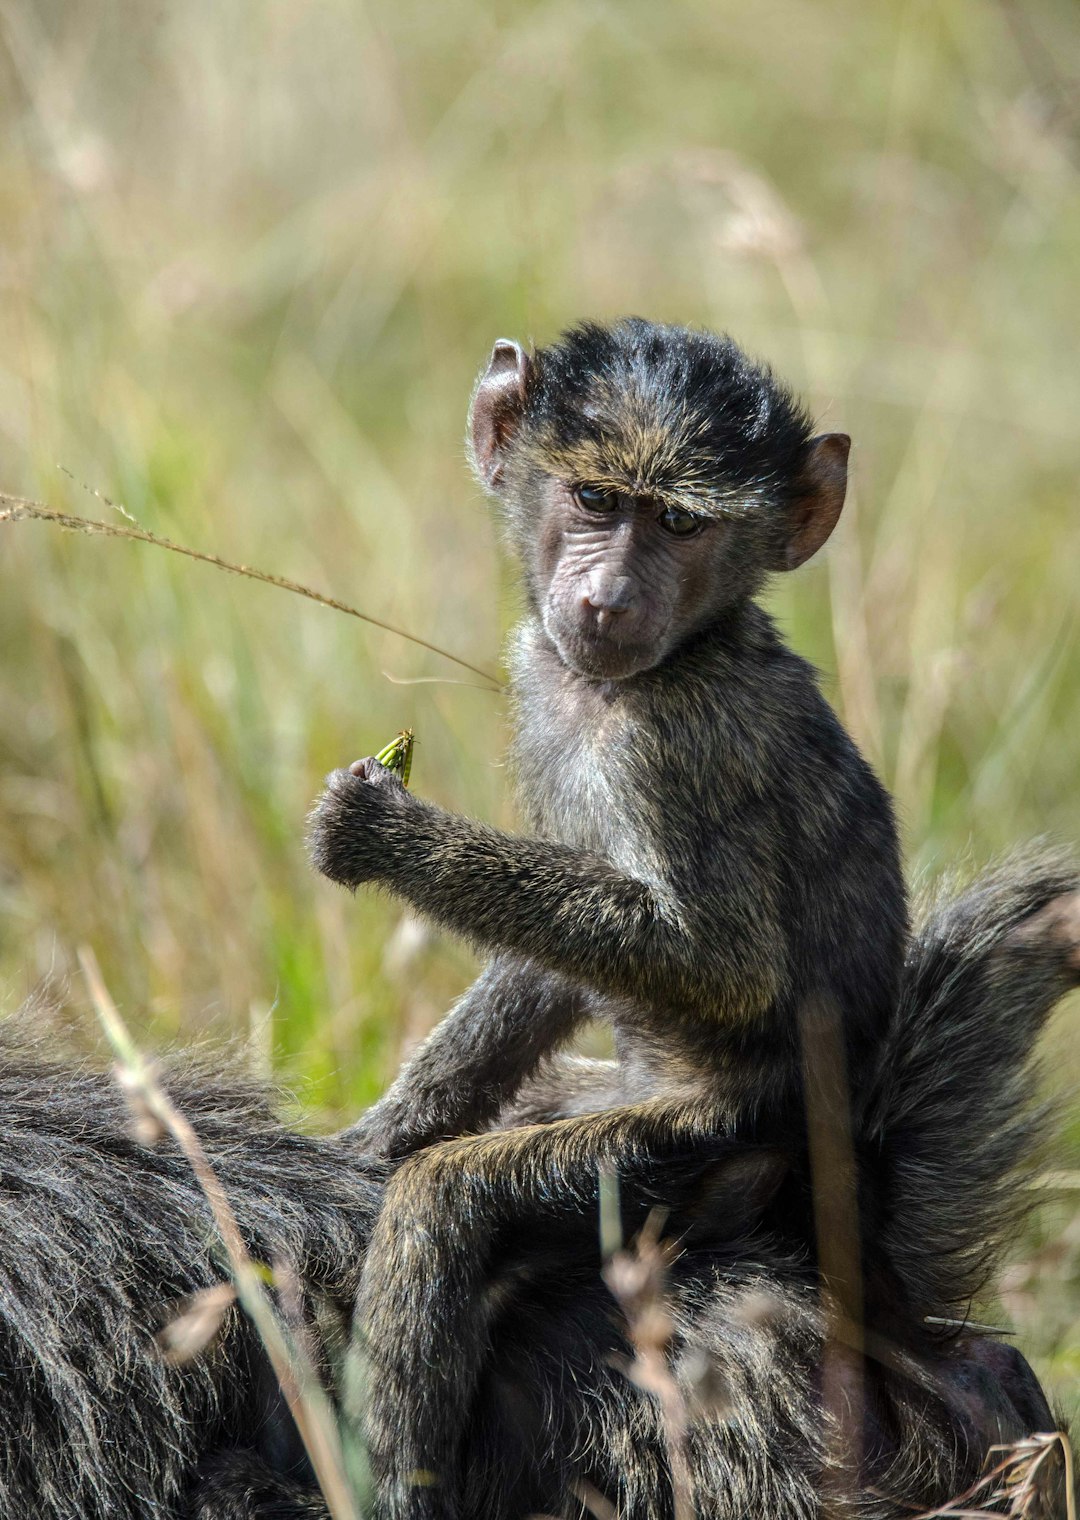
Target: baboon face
x,y
650,478
621,579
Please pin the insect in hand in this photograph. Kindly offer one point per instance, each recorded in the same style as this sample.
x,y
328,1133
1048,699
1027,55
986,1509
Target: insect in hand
x,y
397,755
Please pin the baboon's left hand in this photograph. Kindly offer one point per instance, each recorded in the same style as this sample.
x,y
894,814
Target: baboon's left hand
x,y
355,829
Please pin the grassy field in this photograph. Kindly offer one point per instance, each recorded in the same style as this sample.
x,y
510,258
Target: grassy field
x,y
251,257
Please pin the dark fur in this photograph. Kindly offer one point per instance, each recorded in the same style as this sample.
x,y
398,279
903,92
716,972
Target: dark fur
x,y
697,389
99,1237
551,1408
709,859
949,1120
707,847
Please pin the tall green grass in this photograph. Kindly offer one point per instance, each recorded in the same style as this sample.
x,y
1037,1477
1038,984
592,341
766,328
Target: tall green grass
x,y
250,259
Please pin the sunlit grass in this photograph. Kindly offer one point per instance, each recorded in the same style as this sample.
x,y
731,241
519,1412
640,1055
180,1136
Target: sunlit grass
x,y
251,259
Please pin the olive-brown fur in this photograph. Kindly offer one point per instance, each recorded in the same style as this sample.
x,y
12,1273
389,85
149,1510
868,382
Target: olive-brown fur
x,y
707,849
103,1240
708,857
462,1263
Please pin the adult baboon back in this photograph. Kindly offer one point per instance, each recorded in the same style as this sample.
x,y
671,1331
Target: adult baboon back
x,y
98,1236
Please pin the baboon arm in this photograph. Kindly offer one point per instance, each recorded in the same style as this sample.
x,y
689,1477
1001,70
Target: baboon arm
x,y
567,909
570,910
494,1037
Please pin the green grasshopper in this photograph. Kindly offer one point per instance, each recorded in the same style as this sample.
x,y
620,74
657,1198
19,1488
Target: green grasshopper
x,y
397,756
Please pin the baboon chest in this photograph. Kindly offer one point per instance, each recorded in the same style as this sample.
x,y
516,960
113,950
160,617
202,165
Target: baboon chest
x,y
571,767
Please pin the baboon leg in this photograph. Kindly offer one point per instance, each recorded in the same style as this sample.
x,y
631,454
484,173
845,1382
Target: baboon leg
x,y
424,1298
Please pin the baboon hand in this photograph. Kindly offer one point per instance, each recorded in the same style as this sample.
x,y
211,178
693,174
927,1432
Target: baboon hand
x,y
355,830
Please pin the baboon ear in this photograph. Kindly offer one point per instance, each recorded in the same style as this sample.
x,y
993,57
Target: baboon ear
x,y
814,512
497,405
735,1192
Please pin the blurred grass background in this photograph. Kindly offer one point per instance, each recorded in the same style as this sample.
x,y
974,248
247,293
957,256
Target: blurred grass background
x,y
251,257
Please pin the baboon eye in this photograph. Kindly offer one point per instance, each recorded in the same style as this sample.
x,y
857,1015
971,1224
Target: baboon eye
x,y
593,499
681,524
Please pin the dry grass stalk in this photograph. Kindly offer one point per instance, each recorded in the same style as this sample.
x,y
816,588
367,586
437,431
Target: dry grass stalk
x,y
637,1279
17,509
832,1166
188,1335
594,1501
155,1115
1025,1481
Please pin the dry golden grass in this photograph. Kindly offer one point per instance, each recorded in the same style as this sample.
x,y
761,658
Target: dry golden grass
x,y
251,259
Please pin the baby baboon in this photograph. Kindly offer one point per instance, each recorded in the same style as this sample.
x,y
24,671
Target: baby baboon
x,y
710,855
708,848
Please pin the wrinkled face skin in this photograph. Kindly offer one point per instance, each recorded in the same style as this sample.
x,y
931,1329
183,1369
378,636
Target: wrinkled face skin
x,y
620,580
640,513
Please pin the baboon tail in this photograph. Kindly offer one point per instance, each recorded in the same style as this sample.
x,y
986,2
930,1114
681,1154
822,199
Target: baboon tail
x,y
951,1118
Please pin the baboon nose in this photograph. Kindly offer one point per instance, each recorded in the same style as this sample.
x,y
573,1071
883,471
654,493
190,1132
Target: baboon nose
x,y
614,594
